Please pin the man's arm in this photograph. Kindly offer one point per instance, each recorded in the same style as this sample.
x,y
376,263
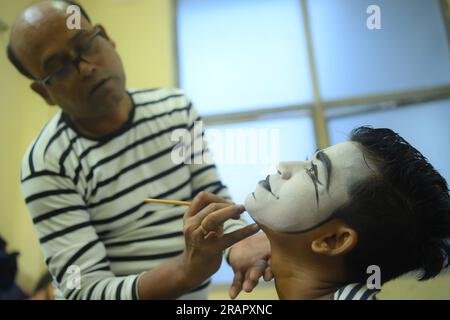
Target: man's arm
x,y
74,254
77,258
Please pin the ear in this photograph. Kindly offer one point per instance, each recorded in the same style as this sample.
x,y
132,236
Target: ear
x,y
336,243
105,35
40,90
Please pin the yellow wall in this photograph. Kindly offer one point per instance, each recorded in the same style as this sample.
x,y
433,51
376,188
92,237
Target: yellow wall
x,y
21,116
142,30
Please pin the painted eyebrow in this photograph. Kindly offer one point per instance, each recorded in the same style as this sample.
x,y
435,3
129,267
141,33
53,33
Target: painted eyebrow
x,y
323,157
315,186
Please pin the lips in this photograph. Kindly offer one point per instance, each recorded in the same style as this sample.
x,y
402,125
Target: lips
x,y
266,184
97,85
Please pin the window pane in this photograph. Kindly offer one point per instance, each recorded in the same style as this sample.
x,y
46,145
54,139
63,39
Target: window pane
x,y
425,126
245,153
241,55
409,51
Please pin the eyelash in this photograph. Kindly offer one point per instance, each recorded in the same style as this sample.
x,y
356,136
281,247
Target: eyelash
x,y
313,172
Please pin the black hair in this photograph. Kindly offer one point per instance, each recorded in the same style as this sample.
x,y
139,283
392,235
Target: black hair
x,y
12,56
401,214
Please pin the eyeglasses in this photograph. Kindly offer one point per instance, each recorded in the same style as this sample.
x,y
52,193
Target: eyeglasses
x,y
88,50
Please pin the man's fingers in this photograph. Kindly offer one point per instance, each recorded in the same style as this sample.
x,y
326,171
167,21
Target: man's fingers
x,y
236,286
249,285
196,226
216,218
233,237
268,275
201,200
210,209
257,270
253,275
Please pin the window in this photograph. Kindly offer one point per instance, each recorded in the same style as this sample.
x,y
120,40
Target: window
x,y
409,51
239,55
424,125
245,63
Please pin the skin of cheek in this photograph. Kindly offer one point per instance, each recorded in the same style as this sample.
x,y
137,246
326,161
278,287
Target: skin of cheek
x,y
294,210
297,210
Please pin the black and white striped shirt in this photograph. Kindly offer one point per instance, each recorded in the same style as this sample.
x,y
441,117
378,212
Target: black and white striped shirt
x,y
86,196
355,291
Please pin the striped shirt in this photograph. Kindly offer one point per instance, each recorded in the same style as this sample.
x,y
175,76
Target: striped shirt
x,y
355,291
85,197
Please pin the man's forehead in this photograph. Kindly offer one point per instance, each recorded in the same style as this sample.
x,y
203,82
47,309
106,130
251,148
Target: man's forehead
x,y
42,14
39,28
36,13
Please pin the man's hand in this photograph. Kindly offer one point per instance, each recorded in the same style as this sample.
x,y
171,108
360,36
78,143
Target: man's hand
x,y
250,260
204,237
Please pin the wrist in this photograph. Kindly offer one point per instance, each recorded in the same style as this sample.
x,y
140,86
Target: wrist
x,y
185,274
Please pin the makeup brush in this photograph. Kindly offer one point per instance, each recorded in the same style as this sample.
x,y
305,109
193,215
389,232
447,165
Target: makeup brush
x,y
174,202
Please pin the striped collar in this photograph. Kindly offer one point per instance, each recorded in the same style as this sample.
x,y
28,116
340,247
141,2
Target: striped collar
x,y
355,291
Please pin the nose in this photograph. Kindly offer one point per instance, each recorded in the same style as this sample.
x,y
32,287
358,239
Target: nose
x,y
284,170
85,68
288,169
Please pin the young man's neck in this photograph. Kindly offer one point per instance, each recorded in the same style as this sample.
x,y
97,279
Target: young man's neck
x,y
304,287
305,280
102,126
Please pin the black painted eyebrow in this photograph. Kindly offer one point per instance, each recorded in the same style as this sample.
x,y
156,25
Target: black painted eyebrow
x,y
323,157
315,186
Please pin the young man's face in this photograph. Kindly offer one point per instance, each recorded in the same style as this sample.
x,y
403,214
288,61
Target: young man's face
x,y
304,194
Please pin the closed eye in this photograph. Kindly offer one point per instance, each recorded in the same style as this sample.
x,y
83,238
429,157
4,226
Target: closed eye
x,y
316,174
313,175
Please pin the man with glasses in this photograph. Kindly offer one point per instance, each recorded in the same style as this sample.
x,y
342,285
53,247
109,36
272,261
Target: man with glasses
x,y
85,176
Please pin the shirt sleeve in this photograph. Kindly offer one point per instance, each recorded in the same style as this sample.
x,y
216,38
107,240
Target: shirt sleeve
x,y
74,254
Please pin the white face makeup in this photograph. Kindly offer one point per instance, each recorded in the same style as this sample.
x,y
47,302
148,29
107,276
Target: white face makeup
x,y
298,197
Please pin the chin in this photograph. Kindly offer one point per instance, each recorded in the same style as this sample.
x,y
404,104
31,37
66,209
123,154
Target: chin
x,y
249,203
251,206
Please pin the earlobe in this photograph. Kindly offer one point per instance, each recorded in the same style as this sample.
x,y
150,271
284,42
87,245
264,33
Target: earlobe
x,y
40,90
